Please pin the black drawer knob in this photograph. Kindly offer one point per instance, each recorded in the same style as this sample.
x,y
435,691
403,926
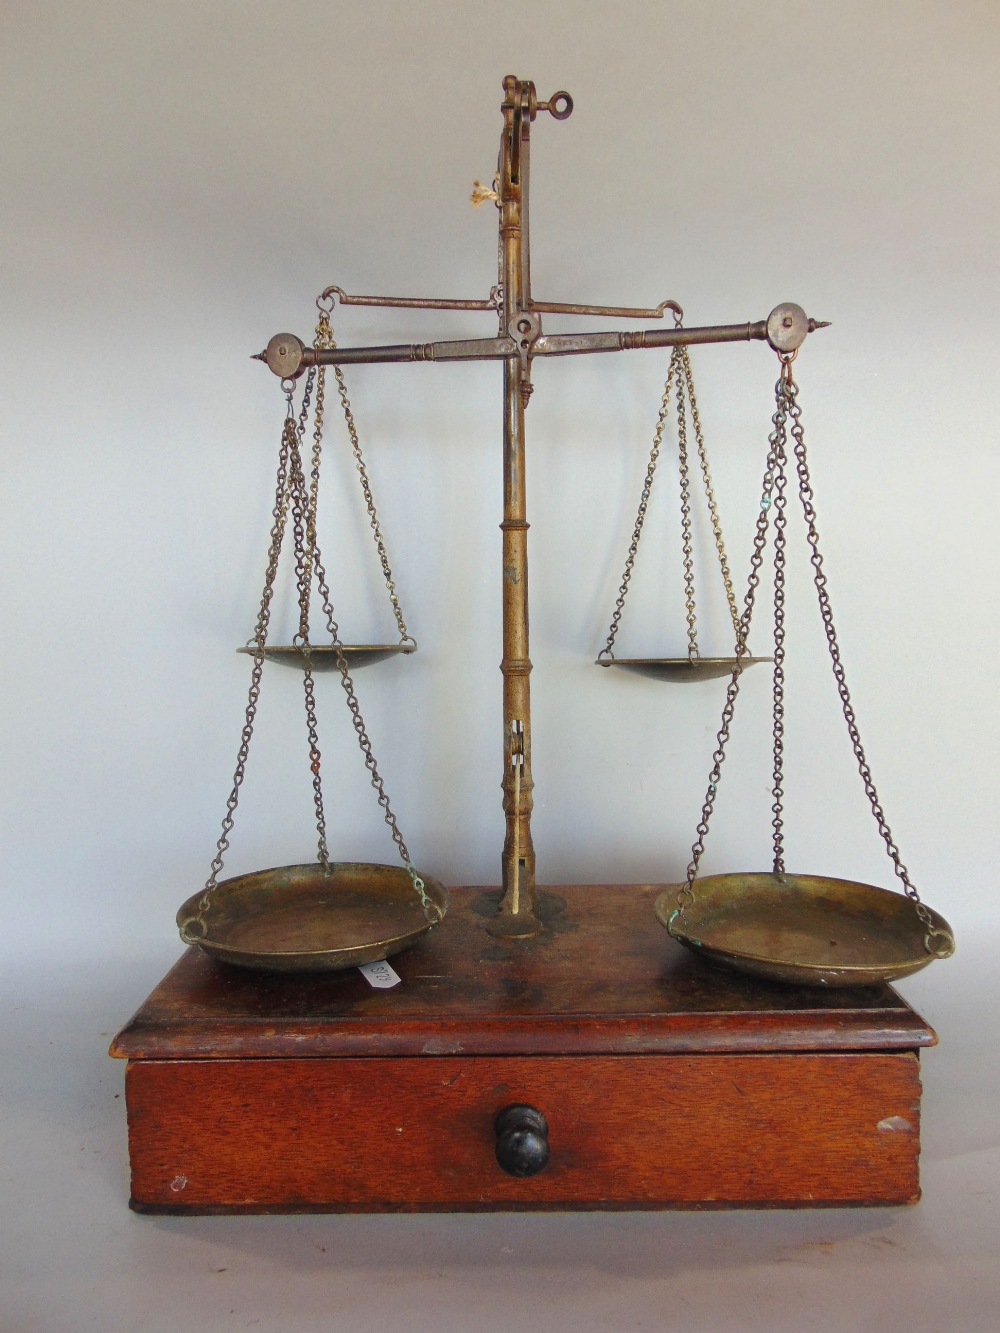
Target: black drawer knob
x,y
522,1141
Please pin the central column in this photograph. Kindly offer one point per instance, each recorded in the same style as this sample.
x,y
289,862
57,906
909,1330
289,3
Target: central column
x,y
517,916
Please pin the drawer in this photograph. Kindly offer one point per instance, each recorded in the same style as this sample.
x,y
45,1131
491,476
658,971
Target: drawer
x,y
286,1135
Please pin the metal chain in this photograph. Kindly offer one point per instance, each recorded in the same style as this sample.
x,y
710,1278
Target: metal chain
x,y
295,498
194,928
431,910
686,894
679,371
778,685
304,533
677,356
936,941
640,518
713,509
325,338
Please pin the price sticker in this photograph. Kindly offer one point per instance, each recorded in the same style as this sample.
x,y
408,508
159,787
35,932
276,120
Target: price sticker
x,y
380,975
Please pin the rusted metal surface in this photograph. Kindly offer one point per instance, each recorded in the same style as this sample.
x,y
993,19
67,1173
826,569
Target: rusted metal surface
x,y
804,929
300,919
679,669
287,356
520,339
324,657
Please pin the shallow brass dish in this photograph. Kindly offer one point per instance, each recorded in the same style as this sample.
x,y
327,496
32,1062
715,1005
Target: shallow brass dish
x,y
297,919
681,668
808,931
324,656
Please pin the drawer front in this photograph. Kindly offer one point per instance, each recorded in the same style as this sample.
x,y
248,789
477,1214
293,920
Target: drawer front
x,y
418,1133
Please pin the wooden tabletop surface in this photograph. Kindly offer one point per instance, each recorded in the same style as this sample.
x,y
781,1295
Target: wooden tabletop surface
x,y
605,977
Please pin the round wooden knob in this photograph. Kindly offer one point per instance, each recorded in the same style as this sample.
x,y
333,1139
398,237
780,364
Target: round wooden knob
x,y
522,1141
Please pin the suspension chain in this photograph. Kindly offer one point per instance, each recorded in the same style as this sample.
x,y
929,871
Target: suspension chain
x,y
937,942
304,532
686,894
640,518
713,509
296,498
325,338
194,928
679,383
431,910
677,363
778,684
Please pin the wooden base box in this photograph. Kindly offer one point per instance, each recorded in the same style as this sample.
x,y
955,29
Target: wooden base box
x,y
664,1083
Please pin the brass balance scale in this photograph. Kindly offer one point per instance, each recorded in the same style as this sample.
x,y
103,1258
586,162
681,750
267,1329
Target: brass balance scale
x,y
320,919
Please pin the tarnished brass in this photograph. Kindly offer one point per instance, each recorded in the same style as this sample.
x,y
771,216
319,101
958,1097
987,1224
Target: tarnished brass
x,y
325,656
805,929
679,668
287,356
299,919
520,339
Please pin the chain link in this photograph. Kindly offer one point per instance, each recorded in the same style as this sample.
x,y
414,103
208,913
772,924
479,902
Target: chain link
x,y
304,530
194,928
431,911
677,363
780,445
640,518
713,509
325,338
937,941
297,499
686,894
680,385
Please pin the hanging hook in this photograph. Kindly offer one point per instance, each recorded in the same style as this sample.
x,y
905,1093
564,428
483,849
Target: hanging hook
x,y
327,299
786,359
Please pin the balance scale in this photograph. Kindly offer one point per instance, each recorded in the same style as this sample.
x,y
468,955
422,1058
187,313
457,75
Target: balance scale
x,y
730,1041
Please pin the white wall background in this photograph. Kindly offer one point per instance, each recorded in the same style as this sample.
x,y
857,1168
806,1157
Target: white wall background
x,y
179,181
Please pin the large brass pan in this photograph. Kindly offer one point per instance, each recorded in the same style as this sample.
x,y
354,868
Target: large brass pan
x,y
324,656
298,919
680,668
807,930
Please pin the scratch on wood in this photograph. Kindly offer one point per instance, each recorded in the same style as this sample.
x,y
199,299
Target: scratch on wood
x,y
896,1122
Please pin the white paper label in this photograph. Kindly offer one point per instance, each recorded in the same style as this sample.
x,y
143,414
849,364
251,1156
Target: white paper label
x,y
380,975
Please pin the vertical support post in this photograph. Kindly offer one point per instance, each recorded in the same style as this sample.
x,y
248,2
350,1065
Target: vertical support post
x,y
517,915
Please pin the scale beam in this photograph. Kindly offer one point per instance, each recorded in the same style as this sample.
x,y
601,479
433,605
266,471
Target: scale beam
x,y
519,340
785,329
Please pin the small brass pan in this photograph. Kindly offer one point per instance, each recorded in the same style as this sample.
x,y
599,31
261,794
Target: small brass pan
x,y
680,668
298,919
808,931
324,656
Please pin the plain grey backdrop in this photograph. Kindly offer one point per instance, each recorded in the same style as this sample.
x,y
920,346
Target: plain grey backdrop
x,y
179,182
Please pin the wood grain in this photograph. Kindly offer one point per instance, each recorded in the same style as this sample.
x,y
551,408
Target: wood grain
x,y
666,1083
410,1133
605,978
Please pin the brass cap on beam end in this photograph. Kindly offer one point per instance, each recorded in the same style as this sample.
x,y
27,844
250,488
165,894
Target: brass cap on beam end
x,y
284,355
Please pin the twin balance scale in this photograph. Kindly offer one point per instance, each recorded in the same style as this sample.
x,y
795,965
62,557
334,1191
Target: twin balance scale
x,y
537,1049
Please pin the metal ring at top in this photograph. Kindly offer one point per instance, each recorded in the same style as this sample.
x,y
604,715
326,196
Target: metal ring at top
x,y
943,950
560,105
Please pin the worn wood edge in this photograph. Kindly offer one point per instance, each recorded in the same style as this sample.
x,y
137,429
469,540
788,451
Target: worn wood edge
x,y
894,1192
596,1206
548,1035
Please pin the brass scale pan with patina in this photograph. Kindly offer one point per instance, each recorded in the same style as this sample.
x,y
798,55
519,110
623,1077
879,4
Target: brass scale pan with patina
x,y
328,915
798,928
